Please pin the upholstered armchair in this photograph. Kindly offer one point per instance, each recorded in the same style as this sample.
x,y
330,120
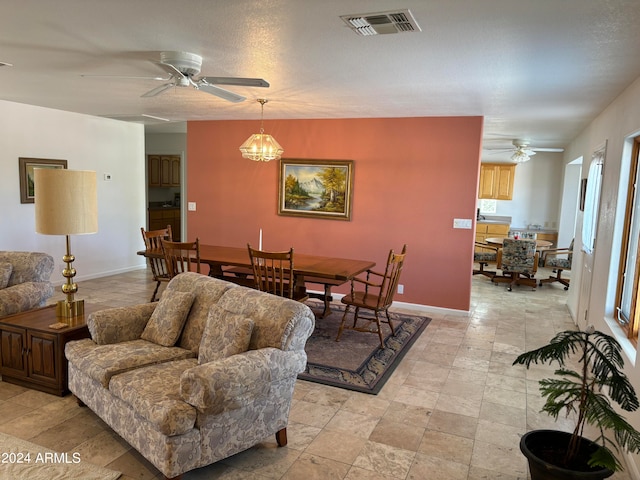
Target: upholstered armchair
x,y
551,259
24,281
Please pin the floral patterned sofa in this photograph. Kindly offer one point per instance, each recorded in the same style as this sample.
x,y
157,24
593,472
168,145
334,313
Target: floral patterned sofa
x,y
206,372
24,281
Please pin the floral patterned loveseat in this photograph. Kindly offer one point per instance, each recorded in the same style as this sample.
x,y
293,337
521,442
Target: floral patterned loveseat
x,y
188,396
24,281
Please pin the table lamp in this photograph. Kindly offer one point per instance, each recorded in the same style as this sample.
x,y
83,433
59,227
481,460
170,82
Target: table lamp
x,y
66,203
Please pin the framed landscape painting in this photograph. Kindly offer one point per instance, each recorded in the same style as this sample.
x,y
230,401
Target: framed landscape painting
x,y
26,166
316,188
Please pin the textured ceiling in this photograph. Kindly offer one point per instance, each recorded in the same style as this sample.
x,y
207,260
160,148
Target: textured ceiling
x,y
535,69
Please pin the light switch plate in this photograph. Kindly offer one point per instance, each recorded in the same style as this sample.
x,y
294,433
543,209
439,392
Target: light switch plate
x,y
191,206
462,223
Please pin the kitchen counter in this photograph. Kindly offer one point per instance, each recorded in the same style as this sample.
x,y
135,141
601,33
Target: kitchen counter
x,y
534,230
494,220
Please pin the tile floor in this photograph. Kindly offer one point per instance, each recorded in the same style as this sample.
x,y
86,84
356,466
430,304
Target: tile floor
x,y
454,408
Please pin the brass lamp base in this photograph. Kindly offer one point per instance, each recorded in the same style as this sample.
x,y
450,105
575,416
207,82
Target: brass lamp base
x,y
67,310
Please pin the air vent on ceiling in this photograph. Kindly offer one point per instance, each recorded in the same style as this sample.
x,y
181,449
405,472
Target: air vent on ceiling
x,y
381,23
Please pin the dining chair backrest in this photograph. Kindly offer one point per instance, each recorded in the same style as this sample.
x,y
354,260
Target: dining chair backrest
x,y
181,256
152,241
389,286
273,271
519,256
152,237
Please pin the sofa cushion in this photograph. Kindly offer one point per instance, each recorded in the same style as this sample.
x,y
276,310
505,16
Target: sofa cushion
x,y
208,291
5,274
154,393
101,362
168,318
225,334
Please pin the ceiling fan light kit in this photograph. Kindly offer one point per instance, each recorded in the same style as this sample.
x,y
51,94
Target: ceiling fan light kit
x,y
261,147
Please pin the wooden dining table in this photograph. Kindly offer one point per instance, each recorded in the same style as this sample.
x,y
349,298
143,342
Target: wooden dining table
x,y
314,269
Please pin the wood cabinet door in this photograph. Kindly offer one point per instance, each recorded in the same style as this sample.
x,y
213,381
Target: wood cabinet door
x,y
43,364
153,170
165,171
488,180
13,351
504,187
175,171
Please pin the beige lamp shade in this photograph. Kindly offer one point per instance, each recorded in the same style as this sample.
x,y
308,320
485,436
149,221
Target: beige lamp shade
x,y
66,201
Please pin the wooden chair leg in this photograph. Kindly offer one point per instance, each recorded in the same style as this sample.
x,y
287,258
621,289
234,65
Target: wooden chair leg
x,y
153,297
344,318
393,332
281,437
379,329
355,316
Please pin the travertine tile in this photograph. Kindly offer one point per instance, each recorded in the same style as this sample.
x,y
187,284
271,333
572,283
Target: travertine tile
x,y
337,446
426,466
385,459
453,409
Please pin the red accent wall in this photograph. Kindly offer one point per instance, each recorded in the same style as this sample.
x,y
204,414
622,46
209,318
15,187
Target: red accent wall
x,y
412,177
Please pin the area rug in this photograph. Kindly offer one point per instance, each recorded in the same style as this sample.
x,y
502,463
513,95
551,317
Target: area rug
x,y
357,362
22,460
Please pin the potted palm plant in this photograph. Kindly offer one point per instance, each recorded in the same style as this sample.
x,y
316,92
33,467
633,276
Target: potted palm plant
x,y
587,392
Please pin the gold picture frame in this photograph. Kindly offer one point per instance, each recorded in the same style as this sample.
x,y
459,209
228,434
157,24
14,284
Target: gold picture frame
x,y
25,169
316,188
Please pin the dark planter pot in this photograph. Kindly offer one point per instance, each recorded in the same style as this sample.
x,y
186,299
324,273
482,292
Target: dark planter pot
x,y
532,443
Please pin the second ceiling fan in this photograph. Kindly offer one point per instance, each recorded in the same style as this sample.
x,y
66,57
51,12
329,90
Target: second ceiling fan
x,y
521,150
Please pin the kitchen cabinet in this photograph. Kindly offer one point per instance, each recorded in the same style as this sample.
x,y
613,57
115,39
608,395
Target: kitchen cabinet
x,y
160,217
496,181
490,230
163,170
32,353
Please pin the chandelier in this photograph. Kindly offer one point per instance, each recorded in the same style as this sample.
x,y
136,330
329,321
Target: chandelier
x,y
261,147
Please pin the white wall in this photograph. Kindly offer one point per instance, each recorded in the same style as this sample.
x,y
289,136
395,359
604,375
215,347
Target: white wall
x,y
536,192
620,120
87,143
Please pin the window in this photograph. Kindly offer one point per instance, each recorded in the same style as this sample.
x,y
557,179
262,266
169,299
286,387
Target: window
x,y
627,294
487,206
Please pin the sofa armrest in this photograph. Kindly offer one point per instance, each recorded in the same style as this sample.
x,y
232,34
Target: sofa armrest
x,y
120,324
238,380
24,296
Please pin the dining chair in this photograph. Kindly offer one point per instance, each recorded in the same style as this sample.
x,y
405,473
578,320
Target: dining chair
x,y
181,256
376,295
518,260
488,254
273,273
559,264
159,269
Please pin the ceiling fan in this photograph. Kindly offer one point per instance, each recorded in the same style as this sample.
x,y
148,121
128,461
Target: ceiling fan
x,y
521,150
182,68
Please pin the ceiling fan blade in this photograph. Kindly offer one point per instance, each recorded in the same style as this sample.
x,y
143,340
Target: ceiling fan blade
x,y
557,150
245,82
127,76
171,70
219,92
158,90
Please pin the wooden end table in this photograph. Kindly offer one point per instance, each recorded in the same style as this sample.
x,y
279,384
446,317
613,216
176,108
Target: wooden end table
x,y
32,353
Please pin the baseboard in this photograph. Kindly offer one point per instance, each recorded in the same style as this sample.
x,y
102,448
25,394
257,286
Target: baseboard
x,y
57,282
414,307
